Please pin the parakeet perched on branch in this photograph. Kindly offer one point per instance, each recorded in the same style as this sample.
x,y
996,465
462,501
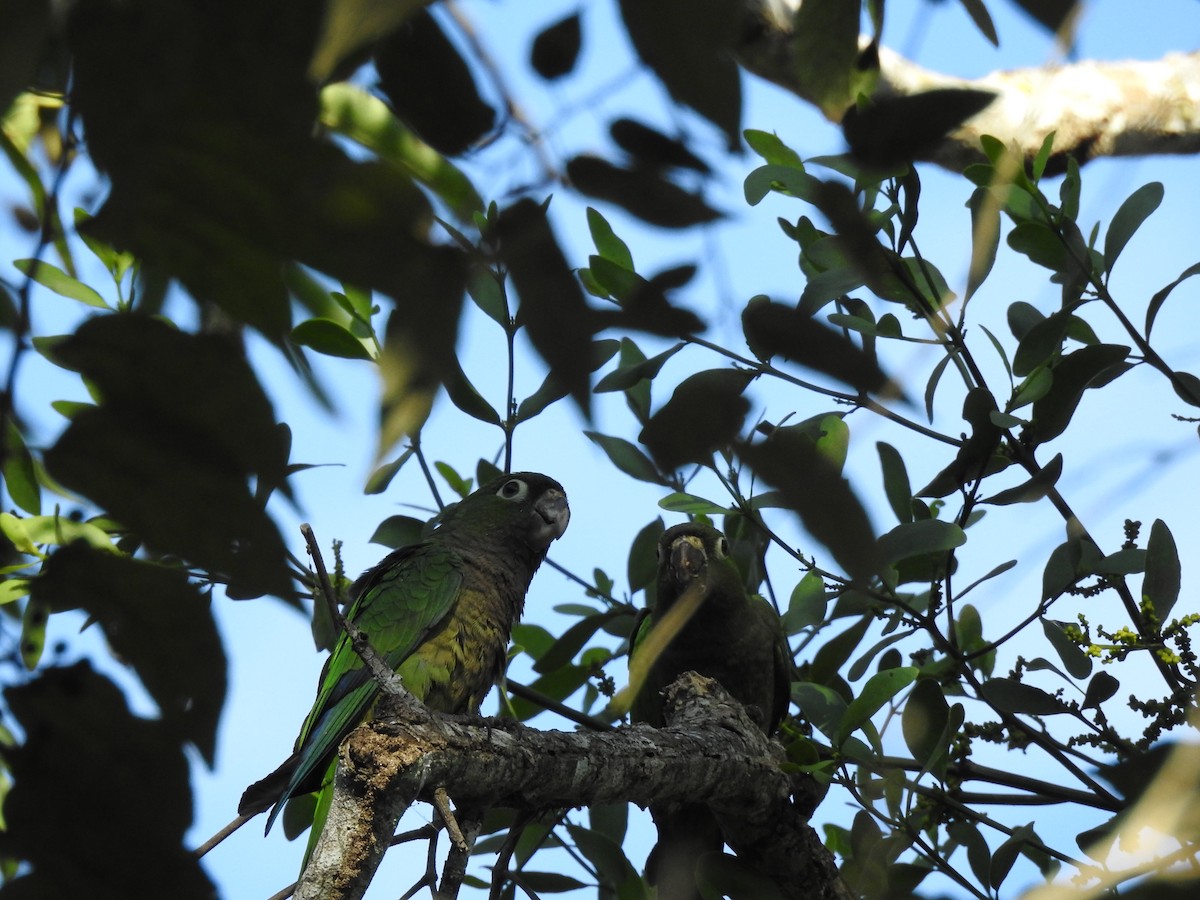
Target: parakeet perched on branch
x,y
731,637
439,612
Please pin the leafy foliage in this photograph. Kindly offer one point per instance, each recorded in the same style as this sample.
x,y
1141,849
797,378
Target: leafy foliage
x,y
318,195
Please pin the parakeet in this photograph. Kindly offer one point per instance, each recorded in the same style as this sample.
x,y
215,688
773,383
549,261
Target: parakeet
x,y
731,637
439,612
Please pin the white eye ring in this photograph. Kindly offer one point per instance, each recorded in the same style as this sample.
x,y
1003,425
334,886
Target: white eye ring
x,y
513,489
722,547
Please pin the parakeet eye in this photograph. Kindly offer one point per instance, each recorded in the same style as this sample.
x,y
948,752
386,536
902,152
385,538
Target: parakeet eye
x,y
513,489
722,547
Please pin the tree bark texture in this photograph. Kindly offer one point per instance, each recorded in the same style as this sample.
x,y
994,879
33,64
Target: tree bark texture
x,y
1095,108
710,750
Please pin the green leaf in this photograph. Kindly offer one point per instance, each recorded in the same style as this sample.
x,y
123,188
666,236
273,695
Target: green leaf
x,y
20,473
613,868
691,505
823,706
1160,586
54,278
13,589
806,606
723,875
925,536
1137,207
487,290
330,338
550,391
985,237
359,115
382,476
608,245
923,722
825,47
773,150
545,882
626,457
834,653
626,376
33,630
1011,696
786,180
395,532
895,481
1078,663
877,692
1006,854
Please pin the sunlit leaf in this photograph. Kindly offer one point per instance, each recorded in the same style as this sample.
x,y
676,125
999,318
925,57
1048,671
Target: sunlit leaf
x,y
878,691
51,276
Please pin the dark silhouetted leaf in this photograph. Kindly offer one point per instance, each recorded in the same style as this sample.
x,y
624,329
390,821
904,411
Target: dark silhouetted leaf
x,y
773,329
698,71
1073,374
895,481
626,457
1078,663
556,48
613,869
418,346
653,149
725,875
20,475
817,492
825,47
466,397
985,236
1006,854
125,780
1050,14
430,86
1160,297
626,376
1034,489
643,556
1012,696
893,130
1161,584
156,621
182,426
1129,218
975,457
982,19
553,310
641,192
705,414
643,303
1102,687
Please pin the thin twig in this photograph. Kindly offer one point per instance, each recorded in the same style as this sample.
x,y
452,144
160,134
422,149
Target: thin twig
x,y
549,704
221,835
441,802
389,682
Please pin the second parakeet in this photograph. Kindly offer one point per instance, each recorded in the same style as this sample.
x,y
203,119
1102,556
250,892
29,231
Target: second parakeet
x,y
731,637
439,612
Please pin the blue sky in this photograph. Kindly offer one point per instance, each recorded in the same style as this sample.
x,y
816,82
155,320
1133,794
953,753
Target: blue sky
x,y
1125,457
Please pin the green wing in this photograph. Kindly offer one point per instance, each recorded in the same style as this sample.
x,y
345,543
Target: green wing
x,y
398,604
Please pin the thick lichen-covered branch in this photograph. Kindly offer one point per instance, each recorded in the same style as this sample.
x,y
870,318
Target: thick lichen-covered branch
x,y
1095,108
710,750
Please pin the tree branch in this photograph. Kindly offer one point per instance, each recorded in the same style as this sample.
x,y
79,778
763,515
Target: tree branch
x,y
710,750
1095,108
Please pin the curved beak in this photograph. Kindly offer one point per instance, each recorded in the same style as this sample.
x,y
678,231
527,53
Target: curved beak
x,y
554,513
688,559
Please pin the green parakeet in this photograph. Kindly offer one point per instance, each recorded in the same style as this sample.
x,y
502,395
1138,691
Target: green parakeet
x,y
731,637
439,612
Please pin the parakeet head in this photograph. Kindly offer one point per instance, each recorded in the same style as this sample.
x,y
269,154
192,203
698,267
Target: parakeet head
x,y
688,553
527,509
